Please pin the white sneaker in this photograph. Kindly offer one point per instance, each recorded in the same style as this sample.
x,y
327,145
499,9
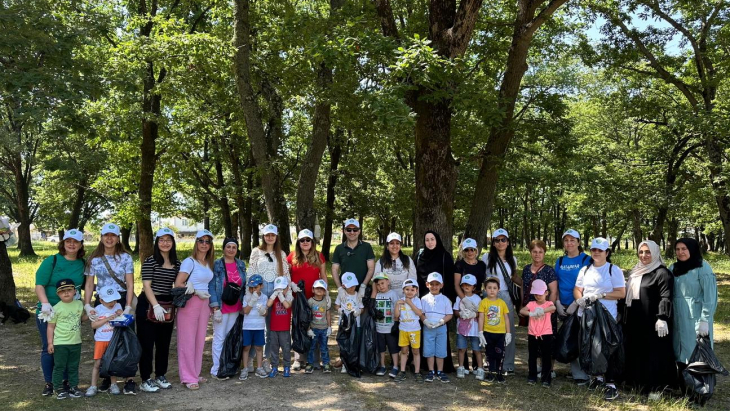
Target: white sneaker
x,y
479,374
114,389
266,366
261,373
343,370
296,366
91,391
162,382
244,374
460,372
149,386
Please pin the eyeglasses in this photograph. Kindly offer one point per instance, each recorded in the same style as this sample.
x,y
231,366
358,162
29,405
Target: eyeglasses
x,y
204,241
352,230
164,240
500,240
305,240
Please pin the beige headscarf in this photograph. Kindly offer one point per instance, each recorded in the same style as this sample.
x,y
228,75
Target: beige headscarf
x,y
634,283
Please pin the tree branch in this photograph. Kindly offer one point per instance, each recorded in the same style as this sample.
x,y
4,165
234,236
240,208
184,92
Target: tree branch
x,y
387,20
464,22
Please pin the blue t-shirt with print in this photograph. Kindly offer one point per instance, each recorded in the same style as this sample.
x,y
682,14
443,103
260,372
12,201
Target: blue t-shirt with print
x,y
567,272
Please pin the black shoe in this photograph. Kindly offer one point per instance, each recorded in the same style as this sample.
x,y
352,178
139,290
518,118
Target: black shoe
x,y
611,393
130,388
75,392
546,384
62,395
490,377
66,385
500,379
596,384
48,389
105,384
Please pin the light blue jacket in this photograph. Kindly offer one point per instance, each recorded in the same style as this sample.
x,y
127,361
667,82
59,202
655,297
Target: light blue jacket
x,y
215,286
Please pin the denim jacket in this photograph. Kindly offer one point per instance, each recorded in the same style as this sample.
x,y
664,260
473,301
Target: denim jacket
x,y
215,286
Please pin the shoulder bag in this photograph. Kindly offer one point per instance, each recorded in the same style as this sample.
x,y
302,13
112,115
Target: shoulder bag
x,y
231,292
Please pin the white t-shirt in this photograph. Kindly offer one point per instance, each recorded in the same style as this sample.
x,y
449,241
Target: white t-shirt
x,y
408,319
397,274
498,272
200,275
348,303
596,280
121,265
385,303
474,330
104,333
253,320
436,307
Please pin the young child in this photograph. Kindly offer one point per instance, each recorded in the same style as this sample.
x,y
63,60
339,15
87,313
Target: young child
x,y
64,339
437,312
280,337
409,311
319,328
349,301
467,327
385,300
108,310
539,333
254,325
494,322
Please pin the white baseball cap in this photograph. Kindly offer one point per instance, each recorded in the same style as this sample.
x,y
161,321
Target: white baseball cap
x,y
394,236
270,229
164,231
109,294
435,277
600,243
203,233
110,228
319,284
280,283
352,221
349,280
306,233
500,232
469,243
74,233
469,279
409,283
572,233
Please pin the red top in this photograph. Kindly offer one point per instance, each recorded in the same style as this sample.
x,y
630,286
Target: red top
x,y
306,272
280,317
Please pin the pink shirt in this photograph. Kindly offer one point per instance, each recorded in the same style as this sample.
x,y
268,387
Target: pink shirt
x,y
235,277
540,326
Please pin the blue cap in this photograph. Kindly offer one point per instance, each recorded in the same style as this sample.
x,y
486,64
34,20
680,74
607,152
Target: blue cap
x,y
255,280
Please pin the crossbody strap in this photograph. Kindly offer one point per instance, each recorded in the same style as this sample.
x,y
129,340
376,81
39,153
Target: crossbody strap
x,y
502,268
112,273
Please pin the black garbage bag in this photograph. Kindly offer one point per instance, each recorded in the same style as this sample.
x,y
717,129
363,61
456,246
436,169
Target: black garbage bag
x,y
179,298
699,376
601,341
301,318
232,351
368,343
567,340
347,340
122,356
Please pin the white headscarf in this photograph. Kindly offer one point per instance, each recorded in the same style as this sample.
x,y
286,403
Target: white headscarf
x,y
634,283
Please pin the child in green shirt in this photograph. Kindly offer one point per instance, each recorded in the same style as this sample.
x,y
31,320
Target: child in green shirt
x,y
64,339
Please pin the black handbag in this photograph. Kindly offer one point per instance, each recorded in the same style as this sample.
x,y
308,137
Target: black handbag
x,y
231,292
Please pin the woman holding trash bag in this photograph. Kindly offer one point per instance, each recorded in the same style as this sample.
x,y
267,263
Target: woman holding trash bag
x,y
308,265
67,263
502,264
225,289
601,281
695,299
647,323
111,265
396,265
192,325
158,276
269,261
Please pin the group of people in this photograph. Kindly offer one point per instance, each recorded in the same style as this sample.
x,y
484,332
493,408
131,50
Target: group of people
x,y
422,306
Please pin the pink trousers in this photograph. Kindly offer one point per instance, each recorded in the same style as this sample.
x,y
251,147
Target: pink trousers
x,y
192,326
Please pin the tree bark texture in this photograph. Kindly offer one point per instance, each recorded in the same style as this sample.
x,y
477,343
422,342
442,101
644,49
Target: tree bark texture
x,y
335,150
7,283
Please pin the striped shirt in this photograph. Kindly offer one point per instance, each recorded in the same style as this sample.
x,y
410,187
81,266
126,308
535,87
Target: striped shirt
x,y
162,279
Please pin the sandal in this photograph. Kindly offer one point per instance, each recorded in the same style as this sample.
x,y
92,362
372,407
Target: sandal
x,y
202,380
193,386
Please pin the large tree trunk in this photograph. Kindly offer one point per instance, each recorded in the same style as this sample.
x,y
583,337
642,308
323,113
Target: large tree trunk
x,y
126,232
244,214
7,283
23,206
75,217
225,207
335,149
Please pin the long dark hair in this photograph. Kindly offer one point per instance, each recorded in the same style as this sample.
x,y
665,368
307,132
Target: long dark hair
x,y
494,257
157,255
387,262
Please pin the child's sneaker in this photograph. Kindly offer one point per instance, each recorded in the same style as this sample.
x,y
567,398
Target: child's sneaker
x,y
273,372
400,377
114,389
286,373
500,379
460,372
162,382
296,366
611,393
130,388
266,366
91,391
443,377
479,374
75,392
418,377
62,395
490,376
531,382
48,389
149,386
343,370
429,377
244,374
261,372
326,368
380,371
596,384
309,368
466,371
393,372
546,384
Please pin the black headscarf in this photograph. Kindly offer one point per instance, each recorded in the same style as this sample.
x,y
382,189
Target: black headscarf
x,y
695,257
437,260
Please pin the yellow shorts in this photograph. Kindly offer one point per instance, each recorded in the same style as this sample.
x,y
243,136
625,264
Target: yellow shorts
x,y
412,338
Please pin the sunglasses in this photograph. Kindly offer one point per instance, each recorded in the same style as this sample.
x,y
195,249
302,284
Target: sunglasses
x,y
305,240
352,230
268,255
470,250
596,250
203,241
500,240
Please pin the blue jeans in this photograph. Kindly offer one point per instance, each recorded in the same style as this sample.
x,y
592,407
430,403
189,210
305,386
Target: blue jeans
x,y
46,358
320,338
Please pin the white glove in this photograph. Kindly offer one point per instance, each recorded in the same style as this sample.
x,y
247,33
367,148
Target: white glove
x,y
329,331
582,301
469,305
90,312
507,339
47,309
281,296
661,328
253,298
262,310
295,288
440,323
539,312
559,308
571,308
159,312
482,340
203,295
217,316
189,289
357,312
289,297
533,313
127,309
428,323
310,333
595,297
703,329
361,292
274,294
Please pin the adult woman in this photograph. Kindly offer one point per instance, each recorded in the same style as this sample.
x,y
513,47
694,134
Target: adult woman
x,y
468,263
647,339
502,264
566,270
695,299
158,276
269,261
307,264
192,320
111,265
604,282
398,266
227,269
67,263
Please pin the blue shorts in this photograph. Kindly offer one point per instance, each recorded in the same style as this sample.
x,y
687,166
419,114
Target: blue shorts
x,y
254,337
434,342
463,342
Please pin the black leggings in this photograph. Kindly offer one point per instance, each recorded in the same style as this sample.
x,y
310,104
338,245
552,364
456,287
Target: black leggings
x,y
540,347
154,339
